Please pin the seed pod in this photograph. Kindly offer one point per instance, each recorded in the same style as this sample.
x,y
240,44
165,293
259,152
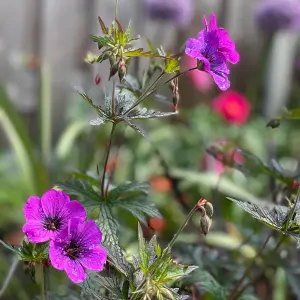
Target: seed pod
x,y
209,209
175,92
205,224
112,60
113,70
122,69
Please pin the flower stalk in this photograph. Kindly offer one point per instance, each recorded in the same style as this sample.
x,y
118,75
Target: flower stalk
x,y
106,160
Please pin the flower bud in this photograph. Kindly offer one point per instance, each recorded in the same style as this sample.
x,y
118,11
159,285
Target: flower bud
x,y
90,58
200,65
122,70
205,224
274,123
97,79
209,209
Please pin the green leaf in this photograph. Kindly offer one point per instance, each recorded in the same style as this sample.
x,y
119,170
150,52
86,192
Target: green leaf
x,y
139,207
95,283
293,114
99,121
68,138
102,25
33,170
151,47
172,65
82,189
9,247
91,180
127,33
143,251
110,241
138,52
125,188
207,283
225,186
136,128
144,113
279,174
103,40
275,216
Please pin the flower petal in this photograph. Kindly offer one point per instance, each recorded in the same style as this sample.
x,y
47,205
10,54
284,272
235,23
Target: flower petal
x,y
227,46
209,42
221,78
35,232
90,234
213,23
74,270
57,255
53,201
94,259
193,48
75,210
33,209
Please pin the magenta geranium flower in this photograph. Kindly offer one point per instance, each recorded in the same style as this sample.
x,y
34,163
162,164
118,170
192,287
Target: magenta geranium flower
x,y
76,248
48,216
213,48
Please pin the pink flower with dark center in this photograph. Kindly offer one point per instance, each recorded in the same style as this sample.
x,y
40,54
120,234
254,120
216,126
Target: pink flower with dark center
x,y
77,248
213,48
48,216
232,106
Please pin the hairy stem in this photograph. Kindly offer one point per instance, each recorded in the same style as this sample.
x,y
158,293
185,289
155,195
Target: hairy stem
x,y
106,160
191,213
234,291
145,94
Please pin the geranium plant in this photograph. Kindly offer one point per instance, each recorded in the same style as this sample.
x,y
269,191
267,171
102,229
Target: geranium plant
x,y
80,236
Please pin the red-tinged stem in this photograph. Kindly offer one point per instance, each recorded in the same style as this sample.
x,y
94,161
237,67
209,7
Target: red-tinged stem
x,y
106,160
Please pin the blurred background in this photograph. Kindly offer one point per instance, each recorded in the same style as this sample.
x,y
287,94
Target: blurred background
x,y
44,132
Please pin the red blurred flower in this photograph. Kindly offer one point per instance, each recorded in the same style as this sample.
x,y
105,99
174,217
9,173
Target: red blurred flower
x,y
161,184
229,154
157,224
111,165
233,106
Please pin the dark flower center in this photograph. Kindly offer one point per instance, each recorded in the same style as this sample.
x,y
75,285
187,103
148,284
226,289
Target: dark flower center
x,y
52,223
73,250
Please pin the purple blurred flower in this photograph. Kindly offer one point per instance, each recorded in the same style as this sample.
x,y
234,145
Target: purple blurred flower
x,y
273,15
179,12
48,216
76,248
213,48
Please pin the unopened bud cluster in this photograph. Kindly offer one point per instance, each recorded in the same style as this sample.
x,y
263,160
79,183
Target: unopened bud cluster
x,y
207,211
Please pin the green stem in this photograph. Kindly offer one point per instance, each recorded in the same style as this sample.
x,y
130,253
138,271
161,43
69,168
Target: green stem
x,y
145,94
234,291
43,284
238,294
191,213
106,160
